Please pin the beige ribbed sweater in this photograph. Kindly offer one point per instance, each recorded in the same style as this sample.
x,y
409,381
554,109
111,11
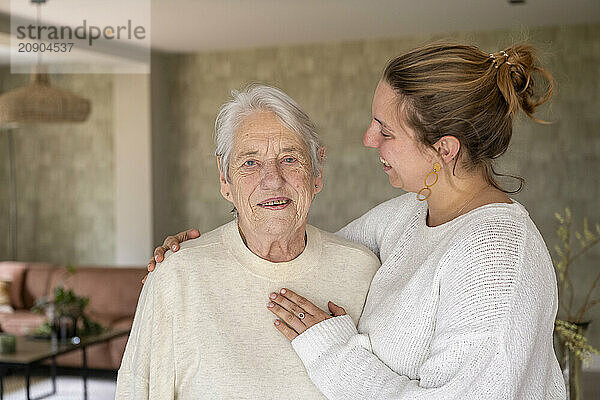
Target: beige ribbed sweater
x,y
202,329
464,310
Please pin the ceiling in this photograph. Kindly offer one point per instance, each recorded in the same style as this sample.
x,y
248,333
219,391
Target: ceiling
x,y
204,25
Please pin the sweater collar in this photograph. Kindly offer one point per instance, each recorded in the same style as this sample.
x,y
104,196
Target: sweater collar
x,y
282,271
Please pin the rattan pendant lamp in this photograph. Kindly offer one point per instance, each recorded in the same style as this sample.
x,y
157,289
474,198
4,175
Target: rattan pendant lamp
x,y
41,102
38,102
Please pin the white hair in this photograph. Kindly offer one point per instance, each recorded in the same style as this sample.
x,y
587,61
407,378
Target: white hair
x,y
261,98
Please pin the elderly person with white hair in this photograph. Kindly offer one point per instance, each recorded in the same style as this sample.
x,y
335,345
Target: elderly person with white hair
x,y
187,341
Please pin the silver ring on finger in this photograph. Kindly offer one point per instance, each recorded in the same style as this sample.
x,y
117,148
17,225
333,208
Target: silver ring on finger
x,y
301,316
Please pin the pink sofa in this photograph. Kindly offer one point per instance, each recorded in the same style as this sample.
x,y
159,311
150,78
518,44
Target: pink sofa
x,y
113,293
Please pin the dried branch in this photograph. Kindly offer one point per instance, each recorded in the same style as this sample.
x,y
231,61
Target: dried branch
x,y
566,258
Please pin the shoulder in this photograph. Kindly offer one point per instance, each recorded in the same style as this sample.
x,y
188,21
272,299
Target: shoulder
x,y
498,268
337,244
494,223
393,212
195,250
400,205
496,238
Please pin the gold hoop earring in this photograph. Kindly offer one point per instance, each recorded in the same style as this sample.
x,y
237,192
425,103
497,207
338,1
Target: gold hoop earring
x,y
425,192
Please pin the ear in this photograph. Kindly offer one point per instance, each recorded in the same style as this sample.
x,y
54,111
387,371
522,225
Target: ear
x,y
225,190
319,179
321,153
447,148
318,182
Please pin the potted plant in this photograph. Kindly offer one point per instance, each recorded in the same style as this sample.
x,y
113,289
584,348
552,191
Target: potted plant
x,y
572,322
65,312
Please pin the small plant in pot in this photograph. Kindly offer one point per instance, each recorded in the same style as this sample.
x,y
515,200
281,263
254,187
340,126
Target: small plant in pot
x,y
65,312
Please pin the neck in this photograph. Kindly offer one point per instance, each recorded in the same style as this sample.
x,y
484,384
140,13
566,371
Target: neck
x,y
275,248
453,198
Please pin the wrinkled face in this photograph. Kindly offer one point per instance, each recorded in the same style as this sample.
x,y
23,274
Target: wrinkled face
x,y
271,180
403,158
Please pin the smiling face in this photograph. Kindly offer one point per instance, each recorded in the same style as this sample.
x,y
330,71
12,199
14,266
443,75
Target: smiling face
x,y
403,158
271,181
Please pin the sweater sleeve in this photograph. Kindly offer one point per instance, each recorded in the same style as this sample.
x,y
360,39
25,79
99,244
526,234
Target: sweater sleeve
x,y
147,368
466,358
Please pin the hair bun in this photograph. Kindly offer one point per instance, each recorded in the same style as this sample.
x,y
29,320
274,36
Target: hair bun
x,y
517,70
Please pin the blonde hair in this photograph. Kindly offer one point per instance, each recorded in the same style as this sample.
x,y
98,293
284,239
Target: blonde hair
x,y
458,90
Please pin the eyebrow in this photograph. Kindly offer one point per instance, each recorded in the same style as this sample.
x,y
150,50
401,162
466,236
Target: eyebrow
x,y
246,154
291,149
255,152
382,123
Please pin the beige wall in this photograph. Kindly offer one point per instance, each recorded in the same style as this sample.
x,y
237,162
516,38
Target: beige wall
x,y
334,83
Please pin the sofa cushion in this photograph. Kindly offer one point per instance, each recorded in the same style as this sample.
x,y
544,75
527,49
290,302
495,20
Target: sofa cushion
x,y
20,322
5,297
4,293
15,273
37,283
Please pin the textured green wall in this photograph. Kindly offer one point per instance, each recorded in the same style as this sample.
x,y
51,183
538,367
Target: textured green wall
x,y
334,83
65,180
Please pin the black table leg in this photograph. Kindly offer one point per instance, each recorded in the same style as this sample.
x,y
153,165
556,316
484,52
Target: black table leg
x,y
53,372
27,376
84,372
2,373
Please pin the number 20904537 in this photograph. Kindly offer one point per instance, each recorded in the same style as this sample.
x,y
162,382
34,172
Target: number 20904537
x,y
45,47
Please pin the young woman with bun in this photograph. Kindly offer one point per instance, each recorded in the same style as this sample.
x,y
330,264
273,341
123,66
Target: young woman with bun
x,y
463,305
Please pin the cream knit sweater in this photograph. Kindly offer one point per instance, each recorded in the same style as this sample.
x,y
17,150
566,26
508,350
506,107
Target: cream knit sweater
x,y
202,329
464,310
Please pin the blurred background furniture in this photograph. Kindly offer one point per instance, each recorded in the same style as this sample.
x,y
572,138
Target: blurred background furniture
x,y
113,294
31,351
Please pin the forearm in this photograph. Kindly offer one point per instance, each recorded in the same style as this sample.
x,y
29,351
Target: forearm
x,y
341,364
339,361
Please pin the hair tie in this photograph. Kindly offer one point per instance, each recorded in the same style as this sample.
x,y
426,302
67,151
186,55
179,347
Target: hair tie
x,y
497,61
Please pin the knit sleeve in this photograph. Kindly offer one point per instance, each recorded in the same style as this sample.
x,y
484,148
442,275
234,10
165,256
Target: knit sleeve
x,y
466,358
147,367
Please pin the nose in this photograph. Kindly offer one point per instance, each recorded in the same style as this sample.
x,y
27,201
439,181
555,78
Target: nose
x,y
371,137
271,176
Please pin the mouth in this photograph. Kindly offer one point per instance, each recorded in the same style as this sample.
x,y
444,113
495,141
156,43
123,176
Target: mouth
x,y
275,203
386,165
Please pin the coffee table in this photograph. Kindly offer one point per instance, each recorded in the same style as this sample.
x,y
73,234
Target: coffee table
x,y
32,351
